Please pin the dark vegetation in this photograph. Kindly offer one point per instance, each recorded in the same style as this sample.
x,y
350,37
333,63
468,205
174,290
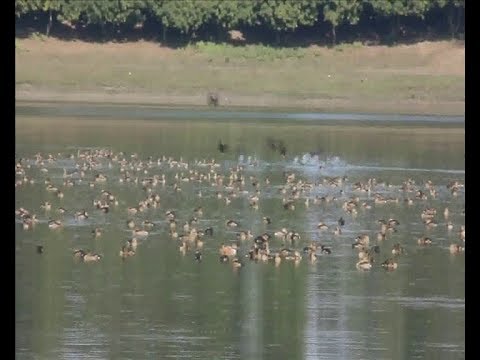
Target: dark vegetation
x,y
272,22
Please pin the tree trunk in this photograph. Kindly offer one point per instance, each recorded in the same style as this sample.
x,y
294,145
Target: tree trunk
x,y
334,35
164,34
49,25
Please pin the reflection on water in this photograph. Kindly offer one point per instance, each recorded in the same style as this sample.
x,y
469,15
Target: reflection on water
x,y
163,304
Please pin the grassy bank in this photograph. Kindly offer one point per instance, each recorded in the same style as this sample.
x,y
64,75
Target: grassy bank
x,y
420,78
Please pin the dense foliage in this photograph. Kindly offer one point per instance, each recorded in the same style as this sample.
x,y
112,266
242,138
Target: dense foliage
x,y
269,20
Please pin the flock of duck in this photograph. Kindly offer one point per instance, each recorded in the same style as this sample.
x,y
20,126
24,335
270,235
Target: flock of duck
x,y
156,176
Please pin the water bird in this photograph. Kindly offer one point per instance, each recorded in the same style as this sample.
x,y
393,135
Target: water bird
x,y
232,223
325,250
341,221
229,250
81,215
455,249
55,224
90,257
126,251
198,256
337,231
46,206
222,147
389,264
322,226
224,258
97,232
236,263
140,232
398,249
39,249
86,256
424,240
244,235
364,264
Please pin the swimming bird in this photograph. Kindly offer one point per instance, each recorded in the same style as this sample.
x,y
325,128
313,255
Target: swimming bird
x,y
140,232
398,249
126,251
424,241
81,215
364,264
90,257
55,224
229,250
455,249
389,264
232,223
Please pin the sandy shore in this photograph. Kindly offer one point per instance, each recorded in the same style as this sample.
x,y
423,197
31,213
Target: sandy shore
x,y
234,101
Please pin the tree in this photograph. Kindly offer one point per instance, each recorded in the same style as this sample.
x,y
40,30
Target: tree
x,y
398,8
455,11
337,12
286,15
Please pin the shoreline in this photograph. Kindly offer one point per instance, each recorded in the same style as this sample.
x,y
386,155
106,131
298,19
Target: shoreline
x,y
234,101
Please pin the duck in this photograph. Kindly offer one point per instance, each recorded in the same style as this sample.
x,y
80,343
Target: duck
x,y
424,240
198,256
148,224
325,250
281,233
78,254
244,235
232,223
456,249
54,224
228,250
397,249
322,226
389,264
97,232
363,239
208,231
140,232
224,258
91,257
126,251
236,263
81,215
337,231
46,206
86,256
295,256
364,264
462,233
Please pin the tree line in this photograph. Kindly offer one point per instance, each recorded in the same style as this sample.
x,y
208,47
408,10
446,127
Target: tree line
x,y
276,20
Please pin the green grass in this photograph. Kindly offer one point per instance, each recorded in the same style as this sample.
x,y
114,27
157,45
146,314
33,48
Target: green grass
x,y
300,73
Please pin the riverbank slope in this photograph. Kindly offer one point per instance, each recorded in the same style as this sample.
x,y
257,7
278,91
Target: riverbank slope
x,y
424,78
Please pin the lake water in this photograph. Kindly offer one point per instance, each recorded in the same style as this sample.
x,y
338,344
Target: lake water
x,y
162,303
